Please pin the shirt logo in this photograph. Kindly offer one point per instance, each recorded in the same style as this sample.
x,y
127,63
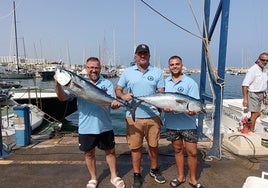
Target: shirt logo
x,y
150,78
104,88
180,89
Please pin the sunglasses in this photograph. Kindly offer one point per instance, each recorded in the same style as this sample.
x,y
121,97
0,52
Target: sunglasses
x,y
264,60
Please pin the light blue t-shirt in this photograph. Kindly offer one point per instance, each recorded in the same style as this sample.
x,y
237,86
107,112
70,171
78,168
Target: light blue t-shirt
x,y
142,84
93,118
181,121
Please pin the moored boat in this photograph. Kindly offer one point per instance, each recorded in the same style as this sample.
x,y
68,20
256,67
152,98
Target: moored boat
x,y
233,136
16,75
18,72
47,74
48,71
7,84
46,100
8,120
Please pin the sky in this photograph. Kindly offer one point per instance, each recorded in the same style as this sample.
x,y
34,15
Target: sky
x,y
72,30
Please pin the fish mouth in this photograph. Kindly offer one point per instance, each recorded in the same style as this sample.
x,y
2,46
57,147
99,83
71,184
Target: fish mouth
x,y
209,108
63,78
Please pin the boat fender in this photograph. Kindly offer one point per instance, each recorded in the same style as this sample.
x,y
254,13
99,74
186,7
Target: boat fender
x,y
244,125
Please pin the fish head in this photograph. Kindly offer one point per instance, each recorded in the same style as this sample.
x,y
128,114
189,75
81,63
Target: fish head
x,y
62,77
209,108
196,106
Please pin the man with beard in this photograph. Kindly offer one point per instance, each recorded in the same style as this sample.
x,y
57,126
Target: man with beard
x,y
95,125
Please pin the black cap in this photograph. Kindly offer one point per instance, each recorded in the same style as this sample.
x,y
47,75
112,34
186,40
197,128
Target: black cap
x,y
142,48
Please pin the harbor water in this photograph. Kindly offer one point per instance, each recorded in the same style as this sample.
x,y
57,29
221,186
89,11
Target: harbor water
x,y
232,90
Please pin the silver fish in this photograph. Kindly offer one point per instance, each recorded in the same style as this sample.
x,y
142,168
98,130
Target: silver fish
x,y
83,88
177,102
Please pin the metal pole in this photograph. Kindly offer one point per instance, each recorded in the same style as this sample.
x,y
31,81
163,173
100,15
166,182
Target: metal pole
x,y
217,87
134,26
16,37
1,137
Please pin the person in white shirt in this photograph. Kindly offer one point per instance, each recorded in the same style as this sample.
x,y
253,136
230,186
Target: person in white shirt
x,y
254,88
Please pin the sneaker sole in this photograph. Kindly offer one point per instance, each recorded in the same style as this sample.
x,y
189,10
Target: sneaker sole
x,y
161,182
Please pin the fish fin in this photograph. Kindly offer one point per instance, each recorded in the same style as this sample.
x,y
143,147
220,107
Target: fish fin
x,y
187,107
78,85
180,101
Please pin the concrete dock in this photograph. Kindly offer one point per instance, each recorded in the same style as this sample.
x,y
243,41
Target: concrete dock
x,y
57,162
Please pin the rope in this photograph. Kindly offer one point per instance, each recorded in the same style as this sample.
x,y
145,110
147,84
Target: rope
x,y
11,12
199,29
210,67
204,40
253,157
172,22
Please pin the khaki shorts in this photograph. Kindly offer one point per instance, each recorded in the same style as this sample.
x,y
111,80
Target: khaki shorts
x,y
255,101
148,128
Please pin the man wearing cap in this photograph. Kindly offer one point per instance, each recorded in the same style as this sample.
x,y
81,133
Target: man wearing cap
x,y
254,88
142,79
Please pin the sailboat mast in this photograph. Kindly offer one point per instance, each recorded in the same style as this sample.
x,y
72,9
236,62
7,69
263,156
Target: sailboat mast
x,y
16,38
134,25
115,63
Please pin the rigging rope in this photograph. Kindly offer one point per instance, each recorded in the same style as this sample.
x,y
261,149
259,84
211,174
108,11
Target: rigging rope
x,y
204,40
192,10
170,20
210,67
11,12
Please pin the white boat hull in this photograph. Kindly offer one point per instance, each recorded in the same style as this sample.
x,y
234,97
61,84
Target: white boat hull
x,y
246,144
36,119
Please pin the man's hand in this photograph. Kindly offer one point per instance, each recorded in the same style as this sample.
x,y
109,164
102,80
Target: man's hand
x,y
191,113
127,97
167,109
115,104
265,101
245,102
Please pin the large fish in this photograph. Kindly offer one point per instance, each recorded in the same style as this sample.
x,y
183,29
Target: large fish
x,y
177,102
82,88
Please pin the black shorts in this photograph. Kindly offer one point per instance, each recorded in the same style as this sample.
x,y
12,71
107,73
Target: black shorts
x,y
104,141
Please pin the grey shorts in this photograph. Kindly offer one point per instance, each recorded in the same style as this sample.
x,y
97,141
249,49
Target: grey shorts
x,y
255,101
186,135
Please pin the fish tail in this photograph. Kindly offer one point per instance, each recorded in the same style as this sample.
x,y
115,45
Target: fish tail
x,y
133,108
203,111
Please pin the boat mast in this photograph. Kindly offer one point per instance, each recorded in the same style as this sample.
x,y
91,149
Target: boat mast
x,y
115,63
134,26
16,39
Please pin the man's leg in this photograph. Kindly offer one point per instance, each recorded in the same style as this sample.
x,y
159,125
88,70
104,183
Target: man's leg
x,y
91,163
253,118
179,159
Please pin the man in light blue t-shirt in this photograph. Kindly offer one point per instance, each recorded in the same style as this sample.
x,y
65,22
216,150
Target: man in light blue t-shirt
x,y
181,127
95,125
142,79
